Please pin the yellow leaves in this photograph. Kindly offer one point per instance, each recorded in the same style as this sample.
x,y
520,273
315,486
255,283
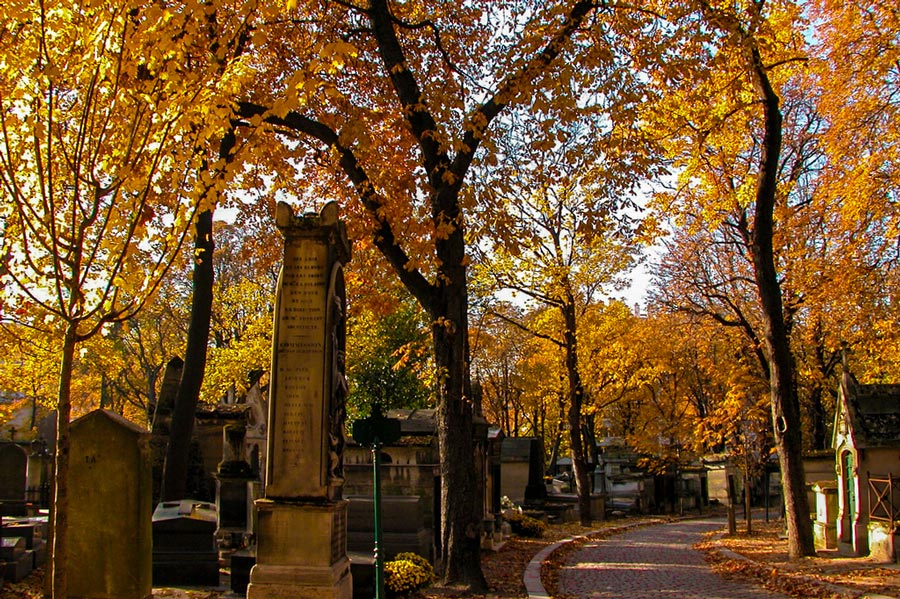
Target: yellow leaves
x,y
336,54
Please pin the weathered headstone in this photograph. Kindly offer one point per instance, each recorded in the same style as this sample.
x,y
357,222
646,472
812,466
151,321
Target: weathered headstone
x,y
535,490
304,467
162,411
110,503
13,468
401,519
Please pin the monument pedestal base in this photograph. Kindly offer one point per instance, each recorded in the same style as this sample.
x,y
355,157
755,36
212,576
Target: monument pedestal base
x,y
301,551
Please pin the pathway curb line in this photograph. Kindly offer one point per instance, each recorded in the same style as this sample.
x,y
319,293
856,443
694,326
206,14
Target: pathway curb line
x,y
532,576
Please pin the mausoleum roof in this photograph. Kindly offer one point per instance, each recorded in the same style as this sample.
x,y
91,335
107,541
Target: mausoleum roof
x,y
226,411
415,422
872,412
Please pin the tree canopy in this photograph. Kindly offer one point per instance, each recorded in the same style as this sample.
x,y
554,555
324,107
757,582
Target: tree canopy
x,y
763,137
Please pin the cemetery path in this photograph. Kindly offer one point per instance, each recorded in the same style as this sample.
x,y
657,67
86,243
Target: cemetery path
x,y
651,562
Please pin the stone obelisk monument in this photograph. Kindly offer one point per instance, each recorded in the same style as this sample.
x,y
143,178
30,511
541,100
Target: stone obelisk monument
x,y
302,530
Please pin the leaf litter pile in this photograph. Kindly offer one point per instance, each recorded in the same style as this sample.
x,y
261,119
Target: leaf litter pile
x,y
826,576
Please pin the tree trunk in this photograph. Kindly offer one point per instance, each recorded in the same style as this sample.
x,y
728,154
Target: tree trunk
x,y
59,586
460,493
583,485
785,404
748,514
816,407
174,483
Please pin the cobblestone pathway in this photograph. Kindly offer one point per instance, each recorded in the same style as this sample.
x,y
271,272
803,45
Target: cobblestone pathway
x,y
652,562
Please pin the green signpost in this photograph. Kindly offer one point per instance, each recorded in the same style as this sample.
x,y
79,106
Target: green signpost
x,y
373,432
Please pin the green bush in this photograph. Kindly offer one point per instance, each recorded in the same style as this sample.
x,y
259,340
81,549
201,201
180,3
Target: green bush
x,y
523,525
406,573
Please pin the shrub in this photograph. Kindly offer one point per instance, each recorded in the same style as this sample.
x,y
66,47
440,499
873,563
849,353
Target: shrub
x,y
523,525
406,573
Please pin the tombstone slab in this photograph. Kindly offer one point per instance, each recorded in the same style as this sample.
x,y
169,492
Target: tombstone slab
x,y
13,470
19,529
11,548
110,551
17,569
184,544
302,520
241,563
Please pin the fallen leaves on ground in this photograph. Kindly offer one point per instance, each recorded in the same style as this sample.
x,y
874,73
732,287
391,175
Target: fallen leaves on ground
x,y
505,568
31,587
828,575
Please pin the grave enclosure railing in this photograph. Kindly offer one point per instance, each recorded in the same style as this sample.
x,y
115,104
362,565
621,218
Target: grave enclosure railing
x,y
884,499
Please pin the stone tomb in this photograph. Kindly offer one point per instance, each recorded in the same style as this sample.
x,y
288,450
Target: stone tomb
x,y
522,470
302,520
110,503
13,469
15,561
232,476
401,521
33,531
184,544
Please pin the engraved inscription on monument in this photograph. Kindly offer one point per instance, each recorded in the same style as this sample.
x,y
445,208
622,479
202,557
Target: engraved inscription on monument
x,y
301,403
306,419
300,349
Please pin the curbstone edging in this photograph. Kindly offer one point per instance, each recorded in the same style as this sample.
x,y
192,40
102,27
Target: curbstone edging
x,y
834,588
532,576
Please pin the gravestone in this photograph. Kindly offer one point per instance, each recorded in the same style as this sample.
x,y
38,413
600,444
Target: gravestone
x,y
401,521
232,488
13,469
184,544
302,520
535,490
110,503
15,561
168,391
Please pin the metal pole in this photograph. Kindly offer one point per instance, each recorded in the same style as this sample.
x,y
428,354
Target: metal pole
x,y
379,558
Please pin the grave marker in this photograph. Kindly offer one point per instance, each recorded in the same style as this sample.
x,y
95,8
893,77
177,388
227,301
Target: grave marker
x,y
302,520
13,469
110,551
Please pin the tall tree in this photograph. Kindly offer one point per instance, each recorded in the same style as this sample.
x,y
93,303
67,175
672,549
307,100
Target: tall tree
x,y
498,355
563,243
397,99
93,212
388,357
748,53
855,61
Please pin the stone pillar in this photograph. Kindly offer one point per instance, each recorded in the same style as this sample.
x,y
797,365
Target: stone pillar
x,y
302,519
825,524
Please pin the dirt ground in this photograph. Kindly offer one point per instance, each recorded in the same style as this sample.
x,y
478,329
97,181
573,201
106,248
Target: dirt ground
x,y
826,576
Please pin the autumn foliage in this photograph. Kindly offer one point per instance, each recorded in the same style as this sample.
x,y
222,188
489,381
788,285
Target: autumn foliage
x,y
499,161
